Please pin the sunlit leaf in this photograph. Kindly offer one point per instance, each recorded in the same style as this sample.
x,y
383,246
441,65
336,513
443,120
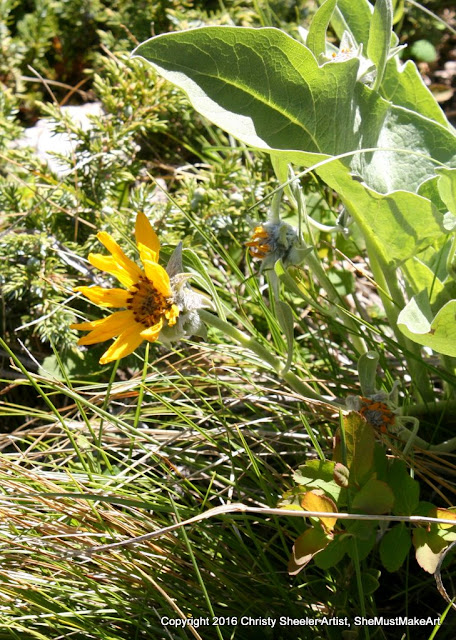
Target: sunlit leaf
x,y
357,17
416,321
318,474
305,547
316,38
428,547
381,26
359,443
267,90
317,501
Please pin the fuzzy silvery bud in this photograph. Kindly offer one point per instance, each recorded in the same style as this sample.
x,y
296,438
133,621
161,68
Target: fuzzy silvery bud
x,y
187,300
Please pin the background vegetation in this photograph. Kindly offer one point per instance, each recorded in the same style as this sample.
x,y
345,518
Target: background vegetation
x,y
91,455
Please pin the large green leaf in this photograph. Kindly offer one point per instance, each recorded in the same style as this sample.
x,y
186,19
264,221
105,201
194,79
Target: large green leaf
x,y
267,90
403,86
260,85
398,224
439,333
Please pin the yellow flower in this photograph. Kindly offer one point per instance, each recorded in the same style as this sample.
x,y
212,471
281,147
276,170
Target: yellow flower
x,y
275,240
259,247
148,297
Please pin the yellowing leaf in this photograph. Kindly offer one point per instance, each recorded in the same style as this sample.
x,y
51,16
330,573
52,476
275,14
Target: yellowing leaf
x,y
315,501
305,547
448,514
428,547
359,443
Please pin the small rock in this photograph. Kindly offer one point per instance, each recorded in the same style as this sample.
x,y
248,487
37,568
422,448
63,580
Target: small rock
x,y
43,138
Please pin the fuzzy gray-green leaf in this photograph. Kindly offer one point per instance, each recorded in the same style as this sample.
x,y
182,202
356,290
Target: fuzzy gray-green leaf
x,y
316,38
378,47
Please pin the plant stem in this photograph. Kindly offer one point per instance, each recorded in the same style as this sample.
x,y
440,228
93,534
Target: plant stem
x,y
393,300
311,260
447,446
432,408
307,392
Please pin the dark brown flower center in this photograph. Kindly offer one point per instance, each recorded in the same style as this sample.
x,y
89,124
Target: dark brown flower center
x,y
147,303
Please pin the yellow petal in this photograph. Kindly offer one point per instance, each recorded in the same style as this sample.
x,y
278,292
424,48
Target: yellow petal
x,y
84,326
107,328
146,254
110,265
151,333
119,256
105,297
159,278
260,232
171,314
126,343
146,235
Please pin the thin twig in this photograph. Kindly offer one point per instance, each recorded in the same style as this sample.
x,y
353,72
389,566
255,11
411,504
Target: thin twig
x,y
239,507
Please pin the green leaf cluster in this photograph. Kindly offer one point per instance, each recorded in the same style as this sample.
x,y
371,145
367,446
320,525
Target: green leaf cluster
x,y
379,142
361,479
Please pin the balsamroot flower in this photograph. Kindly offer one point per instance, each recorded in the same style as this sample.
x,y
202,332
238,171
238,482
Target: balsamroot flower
x,y
275,240
348,49
149,298
380,409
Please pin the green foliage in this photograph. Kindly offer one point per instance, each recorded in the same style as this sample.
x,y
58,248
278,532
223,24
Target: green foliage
x,y
356,16
316,38
221,94
34,282
423,50
364,484
275,109
60,39
99,455
106,183
380,34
